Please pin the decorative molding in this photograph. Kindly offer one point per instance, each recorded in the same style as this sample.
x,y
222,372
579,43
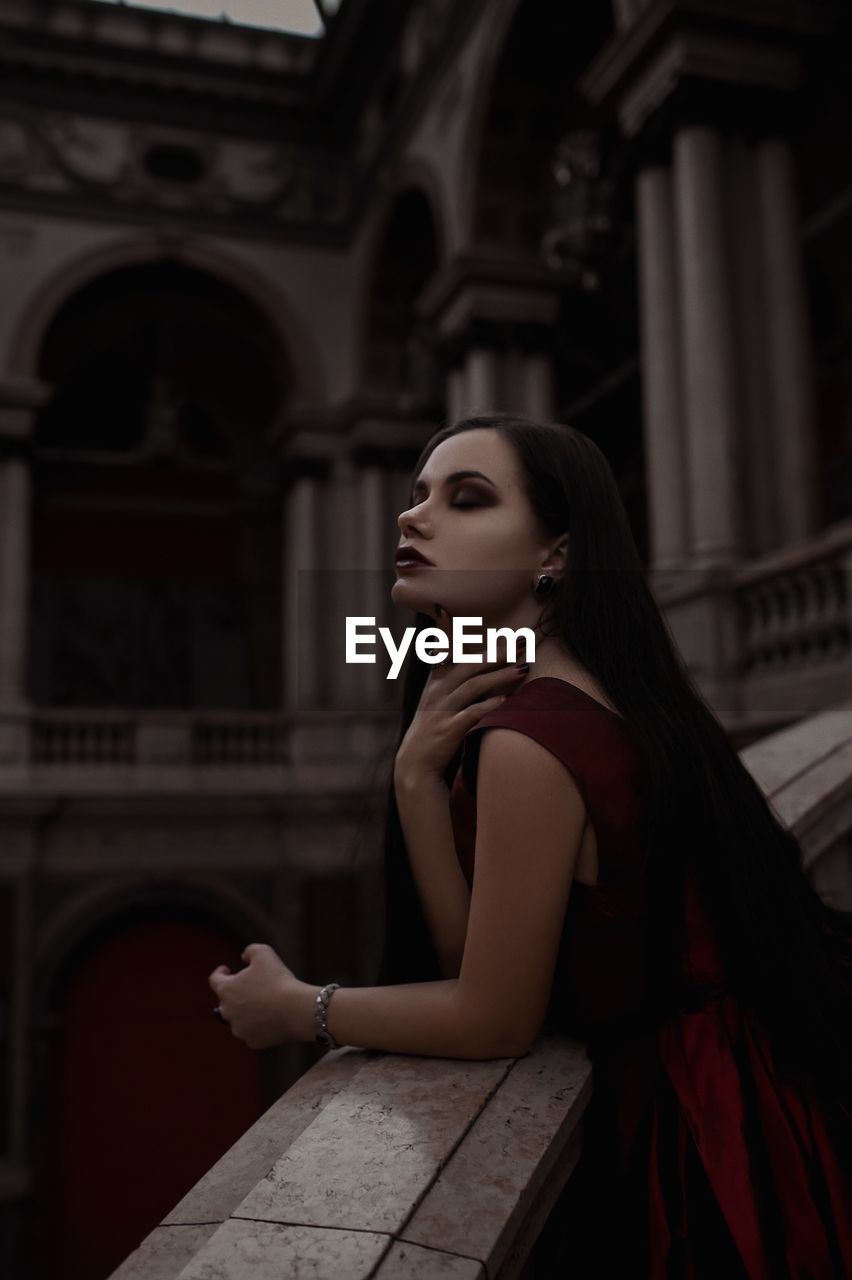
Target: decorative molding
x,y
217,104
497,291
122,166
747,46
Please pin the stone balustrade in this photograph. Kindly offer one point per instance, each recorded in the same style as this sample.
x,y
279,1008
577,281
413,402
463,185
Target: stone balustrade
x,y
111,745
795,605
769,640
396,1167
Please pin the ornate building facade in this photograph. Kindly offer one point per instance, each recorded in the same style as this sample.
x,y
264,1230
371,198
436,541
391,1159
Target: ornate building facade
x,y
246,272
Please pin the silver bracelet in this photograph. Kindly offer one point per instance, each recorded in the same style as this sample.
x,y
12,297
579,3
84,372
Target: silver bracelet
x,y
323,1035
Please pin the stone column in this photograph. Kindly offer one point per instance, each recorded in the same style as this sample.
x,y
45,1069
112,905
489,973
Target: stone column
x,y
482,392
790,383
341,583
663,424
19,402
710,384
302,668
758,443
626,11
456,384
539,387
376,580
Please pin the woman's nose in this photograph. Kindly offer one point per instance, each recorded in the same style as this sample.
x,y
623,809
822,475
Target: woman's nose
x,y
407,520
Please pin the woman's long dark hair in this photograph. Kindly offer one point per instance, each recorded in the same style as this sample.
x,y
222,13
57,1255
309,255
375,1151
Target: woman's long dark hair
x,y
785,952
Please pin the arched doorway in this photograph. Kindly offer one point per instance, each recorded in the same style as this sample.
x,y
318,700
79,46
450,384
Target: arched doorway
x,y
146,1088
156,519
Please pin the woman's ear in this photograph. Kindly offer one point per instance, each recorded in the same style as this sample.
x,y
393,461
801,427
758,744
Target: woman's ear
x,y
557,560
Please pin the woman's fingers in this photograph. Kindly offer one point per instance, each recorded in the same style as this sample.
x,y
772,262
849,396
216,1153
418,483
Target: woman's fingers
x,y
472,714
480,678
455,673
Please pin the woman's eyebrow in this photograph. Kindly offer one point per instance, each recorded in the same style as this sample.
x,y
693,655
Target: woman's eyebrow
x,y
456,475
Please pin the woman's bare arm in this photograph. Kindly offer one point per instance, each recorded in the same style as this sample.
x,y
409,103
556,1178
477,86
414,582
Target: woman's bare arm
x,y
423,801
531,819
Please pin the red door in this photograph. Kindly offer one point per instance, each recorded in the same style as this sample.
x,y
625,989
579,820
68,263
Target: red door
x,y
147,1089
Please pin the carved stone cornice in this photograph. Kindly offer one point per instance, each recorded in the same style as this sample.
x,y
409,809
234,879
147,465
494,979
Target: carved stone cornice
x,y
113,112
477,301
117,169
155,50
366,429
712,61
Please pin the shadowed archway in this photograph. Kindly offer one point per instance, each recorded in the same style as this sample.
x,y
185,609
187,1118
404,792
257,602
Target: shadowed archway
x,y
156,523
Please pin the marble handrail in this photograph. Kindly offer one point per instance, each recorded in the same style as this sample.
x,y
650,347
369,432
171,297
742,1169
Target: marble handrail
x,y
385,1165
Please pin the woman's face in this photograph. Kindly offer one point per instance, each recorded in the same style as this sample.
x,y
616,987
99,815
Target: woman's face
x,y
478,532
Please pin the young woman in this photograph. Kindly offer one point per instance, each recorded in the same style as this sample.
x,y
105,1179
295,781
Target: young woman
x,y
578,848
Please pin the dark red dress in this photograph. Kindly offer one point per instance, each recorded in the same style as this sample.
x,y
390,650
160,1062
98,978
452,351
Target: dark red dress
x,y
700,1159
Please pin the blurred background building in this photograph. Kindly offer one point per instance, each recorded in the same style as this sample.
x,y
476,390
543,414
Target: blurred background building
x,y
253,253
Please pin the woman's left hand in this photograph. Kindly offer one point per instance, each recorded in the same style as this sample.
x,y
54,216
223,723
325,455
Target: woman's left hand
x,y
258,1001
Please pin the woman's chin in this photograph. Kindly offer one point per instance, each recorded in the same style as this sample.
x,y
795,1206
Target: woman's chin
x,y
407,594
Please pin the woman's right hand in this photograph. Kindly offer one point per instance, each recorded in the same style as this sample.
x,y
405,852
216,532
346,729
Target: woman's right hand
x,y
454,699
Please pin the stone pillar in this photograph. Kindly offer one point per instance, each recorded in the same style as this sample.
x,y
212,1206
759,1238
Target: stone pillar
x,y
456,383
301,561
539,387
506,378
626,11
661,380
495,325
482,392
790,383
758,446
19,403
376,576
342,580
14,576
711,409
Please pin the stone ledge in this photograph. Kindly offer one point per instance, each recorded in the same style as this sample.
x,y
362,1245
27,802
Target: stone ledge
x,y
805,771
385,1165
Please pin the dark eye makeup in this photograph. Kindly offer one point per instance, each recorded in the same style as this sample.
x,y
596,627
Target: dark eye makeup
x,y
475,502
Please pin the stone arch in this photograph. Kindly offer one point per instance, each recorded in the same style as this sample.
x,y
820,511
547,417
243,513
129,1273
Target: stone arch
x,y
129,1022
501,20
417,172
168,387
93,907
516,25
82,268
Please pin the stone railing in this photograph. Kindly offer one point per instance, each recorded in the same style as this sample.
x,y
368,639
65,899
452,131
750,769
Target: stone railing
x,y
770,640
379,1165
383,1165
795,616
111,745
805,771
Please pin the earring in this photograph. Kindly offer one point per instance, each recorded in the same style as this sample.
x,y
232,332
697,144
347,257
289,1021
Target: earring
x,y
544,584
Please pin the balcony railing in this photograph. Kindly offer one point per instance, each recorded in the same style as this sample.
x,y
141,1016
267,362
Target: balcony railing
x,y
112,746
770,640
795,606
390,1166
